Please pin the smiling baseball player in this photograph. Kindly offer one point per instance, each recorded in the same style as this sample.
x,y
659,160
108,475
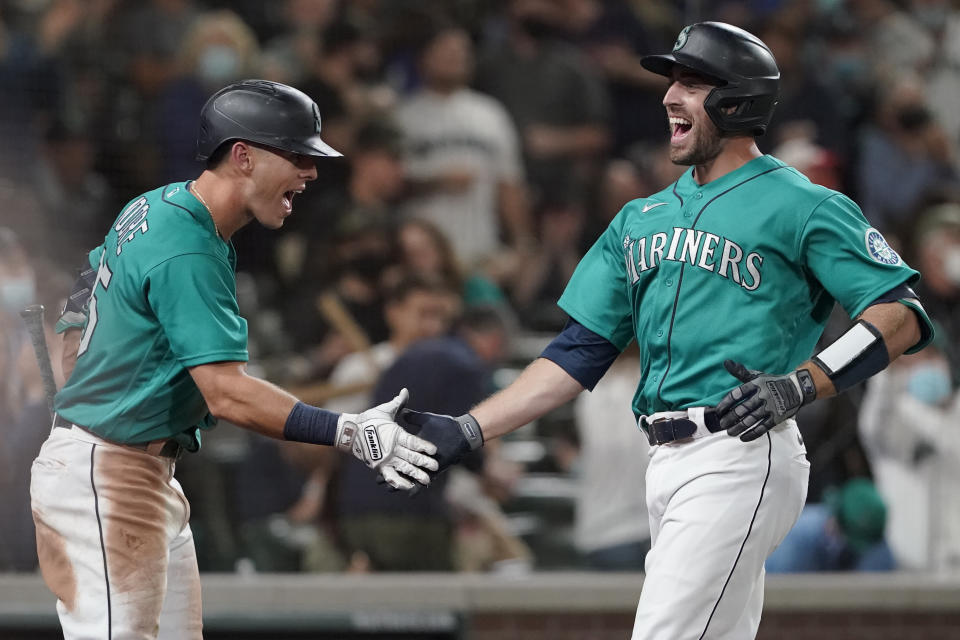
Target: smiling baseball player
x,y
735,265
161,357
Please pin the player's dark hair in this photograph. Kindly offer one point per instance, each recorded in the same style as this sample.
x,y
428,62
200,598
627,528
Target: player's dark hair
x,y
218,156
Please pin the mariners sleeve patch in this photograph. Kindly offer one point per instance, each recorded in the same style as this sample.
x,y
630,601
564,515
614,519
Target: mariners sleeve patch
x,y
878,248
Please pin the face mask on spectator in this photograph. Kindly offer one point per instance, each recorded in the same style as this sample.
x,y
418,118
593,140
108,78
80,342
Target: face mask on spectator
x,y
930,384
16,293
218,63
951,265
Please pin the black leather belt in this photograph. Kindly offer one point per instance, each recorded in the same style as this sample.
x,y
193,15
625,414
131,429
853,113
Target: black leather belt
x,y
167,448
667,430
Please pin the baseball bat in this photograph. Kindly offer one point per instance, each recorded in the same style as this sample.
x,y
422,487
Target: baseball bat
x,y
33,318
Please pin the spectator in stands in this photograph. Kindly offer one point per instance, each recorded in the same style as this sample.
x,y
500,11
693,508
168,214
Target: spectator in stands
x,y
804,99
545,270
218,48
291,56
424,249
614,38
909,426
611,527
348,53
941,21
903,154
418,534
24,416
351,262
415,308
556,98
150,37
936,252
76,199
843,533
897,42
463,161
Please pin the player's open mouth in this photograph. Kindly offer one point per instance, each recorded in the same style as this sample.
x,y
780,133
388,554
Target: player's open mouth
x,y
288,199
679,128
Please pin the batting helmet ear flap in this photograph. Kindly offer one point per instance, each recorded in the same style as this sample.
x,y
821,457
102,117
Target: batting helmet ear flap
x,y
735,110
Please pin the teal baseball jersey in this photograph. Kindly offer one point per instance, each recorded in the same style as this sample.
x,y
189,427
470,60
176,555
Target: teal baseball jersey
x,y
164,300
746,267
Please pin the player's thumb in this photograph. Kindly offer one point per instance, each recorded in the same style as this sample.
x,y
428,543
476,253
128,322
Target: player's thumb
x,y
397,403
738,371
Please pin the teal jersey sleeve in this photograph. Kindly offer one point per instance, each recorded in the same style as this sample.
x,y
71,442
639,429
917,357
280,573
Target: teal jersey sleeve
x,y
202,320
852,260
597,295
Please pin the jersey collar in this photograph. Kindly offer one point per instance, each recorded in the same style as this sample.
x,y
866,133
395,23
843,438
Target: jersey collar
x,y
687,186
178,193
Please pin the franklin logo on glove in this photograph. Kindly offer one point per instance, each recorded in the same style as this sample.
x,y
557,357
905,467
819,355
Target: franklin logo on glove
x,y
373,443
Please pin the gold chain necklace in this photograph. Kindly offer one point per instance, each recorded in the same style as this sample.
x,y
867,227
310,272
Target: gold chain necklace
x,y
196,192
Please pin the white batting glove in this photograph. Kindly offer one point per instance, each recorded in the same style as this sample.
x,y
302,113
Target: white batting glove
x,y
380,443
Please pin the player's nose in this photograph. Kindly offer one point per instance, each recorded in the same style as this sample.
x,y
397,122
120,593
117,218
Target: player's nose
x,y
672,96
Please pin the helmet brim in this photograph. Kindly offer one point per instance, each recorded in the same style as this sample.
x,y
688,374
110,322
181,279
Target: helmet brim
x,y
661,64
313,146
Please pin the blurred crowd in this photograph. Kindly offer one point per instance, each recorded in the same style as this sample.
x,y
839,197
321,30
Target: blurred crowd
x,y
486,145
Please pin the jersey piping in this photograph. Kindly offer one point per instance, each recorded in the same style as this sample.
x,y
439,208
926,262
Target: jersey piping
x,y
683,266
103,547
763,489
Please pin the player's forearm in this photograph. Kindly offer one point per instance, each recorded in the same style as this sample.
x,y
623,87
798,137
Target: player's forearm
x,y
900,329
542,387
244,400
71,345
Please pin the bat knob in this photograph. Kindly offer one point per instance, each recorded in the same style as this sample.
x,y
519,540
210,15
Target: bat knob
x,y
32,310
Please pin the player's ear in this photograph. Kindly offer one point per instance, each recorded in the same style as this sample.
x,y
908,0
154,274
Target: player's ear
x,y
243,156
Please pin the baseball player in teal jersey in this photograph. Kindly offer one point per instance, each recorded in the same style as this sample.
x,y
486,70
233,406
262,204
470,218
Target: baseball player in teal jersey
x,y
161,357
725,279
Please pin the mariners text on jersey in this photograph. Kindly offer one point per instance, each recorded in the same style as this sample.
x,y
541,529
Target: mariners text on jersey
x,y
701,249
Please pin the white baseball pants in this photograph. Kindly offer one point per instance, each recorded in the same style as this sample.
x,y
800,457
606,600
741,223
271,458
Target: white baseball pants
x,y
114,541
718,508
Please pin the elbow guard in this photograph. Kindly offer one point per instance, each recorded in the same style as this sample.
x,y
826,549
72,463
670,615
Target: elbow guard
x,y
855,356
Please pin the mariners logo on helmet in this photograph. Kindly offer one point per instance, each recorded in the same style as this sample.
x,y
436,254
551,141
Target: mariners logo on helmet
x,y
316,118
681,39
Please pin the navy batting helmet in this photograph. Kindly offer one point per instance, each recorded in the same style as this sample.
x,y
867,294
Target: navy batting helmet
x,y
261,111
743,67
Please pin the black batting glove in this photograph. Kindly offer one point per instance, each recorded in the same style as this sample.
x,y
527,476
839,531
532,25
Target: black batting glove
x,y
763,400
453,437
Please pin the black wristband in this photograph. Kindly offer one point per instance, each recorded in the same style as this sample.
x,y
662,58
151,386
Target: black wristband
x,y
471,431
311,424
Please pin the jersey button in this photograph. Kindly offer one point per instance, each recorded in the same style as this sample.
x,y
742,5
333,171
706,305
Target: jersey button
x,y
687,214
668,282
699,195
659,333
